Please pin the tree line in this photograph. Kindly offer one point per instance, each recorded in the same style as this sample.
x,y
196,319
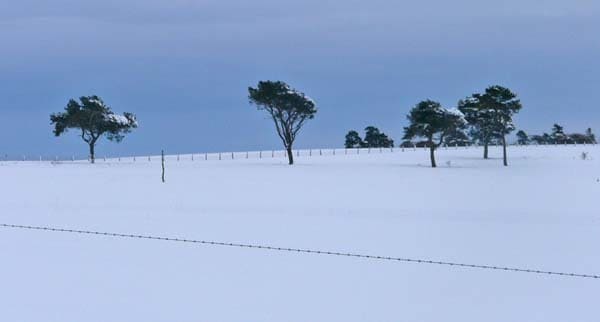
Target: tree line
x,y
484,118
557,136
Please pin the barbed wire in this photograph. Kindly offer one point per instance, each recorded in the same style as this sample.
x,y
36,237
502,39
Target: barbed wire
x,y
300,250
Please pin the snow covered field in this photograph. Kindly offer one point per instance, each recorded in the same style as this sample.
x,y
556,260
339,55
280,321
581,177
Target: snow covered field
x,y
542,212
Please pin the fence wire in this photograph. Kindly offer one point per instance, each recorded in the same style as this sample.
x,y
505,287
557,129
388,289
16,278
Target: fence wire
x,y
305,251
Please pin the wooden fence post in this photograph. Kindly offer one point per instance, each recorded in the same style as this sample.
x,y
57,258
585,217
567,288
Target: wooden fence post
x,y
162,157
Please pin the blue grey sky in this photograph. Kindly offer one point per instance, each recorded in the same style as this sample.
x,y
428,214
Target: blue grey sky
x,y
183,66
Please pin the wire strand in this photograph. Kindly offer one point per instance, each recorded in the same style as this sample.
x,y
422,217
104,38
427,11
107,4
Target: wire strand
x,y
300,250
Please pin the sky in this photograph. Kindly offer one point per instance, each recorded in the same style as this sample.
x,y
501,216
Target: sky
x,y
184,66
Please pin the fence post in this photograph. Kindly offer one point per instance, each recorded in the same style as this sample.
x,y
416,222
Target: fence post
x,y
246,154
320,152
272,153
333,151
260,154
162,157
205,156
231,155
219,155
192,157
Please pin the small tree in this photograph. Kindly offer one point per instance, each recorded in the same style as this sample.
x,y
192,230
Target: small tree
x,y
93,119
431,121
558,135
591,137
457,138
353,140
288,108
522,138
376,139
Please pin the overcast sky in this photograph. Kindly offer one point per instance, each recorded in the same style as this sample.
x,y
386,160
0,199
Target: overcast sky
x,y
183,66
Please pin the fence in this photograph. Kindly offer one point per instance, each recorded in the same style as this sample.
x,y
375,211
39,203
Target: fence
x,y
261,154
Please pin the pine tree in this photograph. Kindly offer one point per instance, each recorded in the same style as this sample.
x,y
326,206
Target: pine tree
x,y
491,115
288,108
353,140
93,119
558,135
376,139
429,120
522,138
483,127
591,137
504,105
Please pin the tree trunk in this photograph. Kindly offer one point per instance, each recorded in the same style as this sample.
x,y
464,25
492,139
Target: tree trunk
x,y
485,150
92,152
432,155
290,155
504,151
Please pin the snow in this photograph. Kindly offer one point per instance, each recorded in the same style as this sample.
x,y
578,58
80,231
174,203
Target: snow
x,y
292,91
541,212
456,112
119,119
96,101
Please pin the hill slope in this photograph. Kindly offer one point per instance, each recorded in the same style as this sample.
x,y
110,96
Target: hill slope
x,y
539,213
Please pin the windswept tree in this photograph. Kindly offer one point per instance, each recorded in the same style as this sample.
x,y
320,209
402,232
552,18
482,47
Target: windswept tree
x,y
93,119
376,139
429,120
504,104
491,114
353,140
522,138
483,127
288,108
